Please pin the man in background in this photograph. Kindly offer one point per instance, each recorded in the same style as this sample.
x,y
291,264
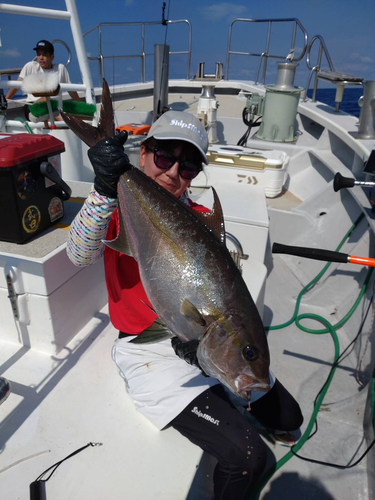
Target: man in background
x,y
44,64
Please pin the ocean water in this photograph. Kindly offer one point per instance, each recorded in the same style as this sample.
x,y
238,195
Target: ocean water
x,y
349,102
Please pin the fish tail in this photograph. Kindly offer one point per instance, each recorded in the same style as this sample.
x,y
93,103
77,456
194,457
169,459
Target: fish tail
x,y
106,127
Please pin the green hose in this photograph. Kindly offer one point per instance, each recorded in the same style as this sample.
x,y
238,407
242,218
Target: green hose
x,y
317,278
26,125
329,329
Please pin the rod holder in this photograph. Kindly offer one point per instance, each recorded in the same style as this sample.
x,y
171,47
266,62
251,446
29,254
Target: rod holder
x,y
367,114
340,182
161,79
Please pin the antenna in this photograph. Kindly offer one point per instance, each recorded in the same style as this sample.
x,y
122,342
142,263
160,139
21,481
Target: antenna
x,y
164,21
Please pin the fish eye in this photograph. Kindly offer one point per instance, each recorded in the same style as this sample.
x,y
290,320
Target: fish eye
x,y
250,353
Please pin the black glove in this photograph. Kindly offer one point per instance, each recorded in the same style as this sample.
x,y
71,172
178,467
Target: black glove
x,y
187,351
109,162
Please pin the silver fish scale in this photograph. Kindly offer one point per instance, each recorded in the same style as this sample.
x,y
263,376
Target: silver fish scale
x,y
178,257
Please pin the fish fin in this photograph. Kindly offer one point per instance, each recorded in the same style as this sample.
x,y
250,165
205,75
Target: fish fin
x,y
154,333
191,312
120,243
214,219
86,132
106,128
151,308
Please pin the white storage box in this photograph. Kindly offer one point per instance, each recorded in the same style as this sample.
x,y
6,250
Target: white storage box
x,y
247,166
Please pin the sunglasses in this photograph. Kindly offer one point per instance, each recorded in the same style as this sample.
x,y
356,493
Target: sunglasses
x,y
164,160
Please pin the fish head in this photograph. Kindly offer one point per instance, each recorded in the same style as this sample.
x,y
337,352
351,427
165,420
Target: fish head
x,y
237,355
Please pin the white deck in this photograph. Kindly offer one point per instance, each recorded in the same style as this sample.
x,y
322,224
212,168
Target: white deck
x,y
61,402
63,399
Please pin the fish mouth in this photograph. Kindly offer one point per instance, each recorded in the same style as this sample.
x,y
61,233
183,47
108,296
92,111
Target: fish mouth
x,y
246,395
246,385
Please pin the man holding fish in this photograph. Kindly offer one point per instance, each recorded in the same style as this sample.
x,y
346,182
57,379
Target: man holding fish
x,y
169,275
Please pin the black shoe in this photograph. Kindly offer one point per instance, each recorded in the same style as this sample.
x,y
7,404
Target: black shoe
x,y
4,389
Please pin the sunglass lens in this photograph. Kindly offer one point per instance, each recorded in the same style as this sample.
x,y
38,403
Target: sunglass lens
x,y
163,159
189,170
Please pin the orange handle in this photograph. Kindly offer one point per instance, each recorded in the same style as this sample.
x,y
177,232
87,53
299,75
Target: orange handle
x,y
364,261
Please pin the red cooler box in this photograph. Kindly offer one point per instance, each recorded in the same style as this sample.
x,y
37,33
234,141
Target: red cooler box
x,y
31,190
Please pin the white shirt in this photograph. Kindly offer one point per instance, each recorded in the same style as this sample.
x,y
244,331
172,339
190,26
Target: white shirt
x,y
33,68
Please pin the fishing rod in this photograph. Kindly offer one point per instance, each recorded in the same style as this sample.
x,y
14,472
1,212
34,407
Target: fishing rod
x,y
321,254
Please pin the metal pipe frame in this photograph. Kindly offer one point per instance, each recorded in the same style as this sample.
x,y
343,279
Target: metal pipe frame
x,y
316,68
265,55
67,48
238,246
101,58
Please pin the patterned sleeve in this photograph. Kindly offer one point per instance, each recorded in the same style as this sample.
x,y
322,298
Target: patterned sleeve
x,y
89,228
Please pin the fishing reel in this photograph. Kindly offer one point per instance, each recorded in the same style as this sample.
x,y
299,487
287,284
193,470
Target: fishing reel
x,y
340,181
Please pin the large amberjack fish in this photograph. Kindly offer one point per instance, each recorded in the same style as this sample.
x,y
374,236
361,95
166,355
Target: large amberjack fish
x,y
192,281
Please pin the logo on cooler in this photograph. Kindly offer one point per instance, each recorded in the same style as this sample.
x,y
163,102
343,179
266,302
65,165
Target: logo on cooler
x,y
205,416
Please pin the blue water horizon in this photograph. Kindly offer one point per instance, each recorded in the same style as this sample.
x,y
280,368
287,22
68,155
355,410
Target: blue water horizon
x,y
349,102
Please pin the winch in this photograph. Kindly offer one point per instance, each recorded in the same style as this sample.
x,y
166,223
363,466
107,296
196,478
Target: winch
x,y
31,189
278,107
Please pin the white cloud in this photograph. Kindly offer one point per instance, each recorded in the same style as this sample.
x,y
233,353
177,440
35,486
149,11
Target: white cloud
x,y
10,53
223,10
129,2
245,73
364,59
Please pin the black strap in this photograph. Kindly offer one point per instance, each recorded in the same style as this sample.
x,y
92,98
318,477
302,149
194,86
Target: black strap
x,y
54,467
122,335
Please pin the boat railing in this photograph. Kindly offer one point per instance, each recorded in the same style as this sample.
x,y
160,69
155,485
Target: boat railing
x,y
331,76
56,40
265,55
101,58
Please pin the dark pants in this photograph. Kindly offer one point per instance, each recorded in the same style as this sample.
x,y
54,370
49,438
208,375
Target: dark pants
x,y
213,423
26,111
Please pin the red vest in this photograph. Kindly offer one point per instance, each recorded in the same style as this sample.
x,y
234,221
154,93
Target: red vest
x,y
126,295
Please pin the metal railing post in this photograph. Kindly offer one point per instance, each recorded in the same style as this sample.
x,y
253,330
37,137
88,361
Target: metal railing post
x,y
320,53
81,51
316,68
265,55
142,56
266,52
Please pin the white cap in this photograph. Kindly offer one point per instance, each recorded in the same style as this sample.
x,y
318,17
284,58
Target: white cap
x,y
181,126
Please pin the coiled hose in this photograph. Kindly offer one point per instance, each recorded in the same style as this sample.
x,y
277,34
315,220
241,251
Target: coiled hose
x,y
329,328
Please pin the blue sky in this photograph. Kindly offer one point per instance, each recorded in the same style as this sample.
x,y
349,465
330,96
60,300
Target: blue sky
x,y
348,28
